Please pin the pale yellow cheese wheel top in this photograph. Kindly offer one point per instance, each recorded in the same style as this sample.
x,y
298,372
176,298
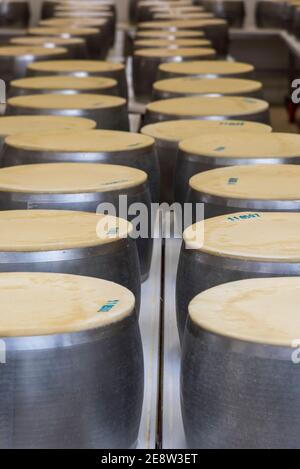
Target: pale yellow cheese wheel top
x,y
42,40
42,304
183,24
175,131
253,182
52,230
252,145
14,124
67,31
83,22
193,85
92,66
172,43
84,141
180,52
57,101
167,34
207,106
73,178
212,67
54,82
20,51
263,311
256,236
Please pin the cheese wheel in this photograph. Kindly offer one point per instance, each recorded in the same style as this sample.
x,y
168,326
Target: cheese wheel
x,y
42,304
53,230
46,40
180,52
23,51
252,182
73,66
217,86
69,178
273,145
10,125
206,107
175,131
167,34
84,141
176,43
213,67
54,82
262,237
57,101
263,311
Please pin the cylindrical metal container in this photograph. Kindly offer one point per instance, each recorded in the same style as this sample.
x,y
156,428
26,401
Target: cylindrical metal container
x,y
76,46
90,35
15,59
72,243
235,247
83,68
194,86
268,188
73,360
109,112
10,125
168,134
206,69
271,14
216,151
147,61
239,375
233,11
207,108
121,190
215,30
14,14
63,85
97,146
170,44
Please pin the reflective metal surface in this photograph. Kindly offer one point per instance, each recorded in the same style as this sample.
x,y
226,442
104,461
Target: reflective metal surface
x,y
63,391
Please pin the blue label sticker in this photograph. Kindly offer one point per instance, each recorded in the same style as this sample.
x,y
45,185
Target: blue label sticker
x,y
108,306
232,181
246,216
220,149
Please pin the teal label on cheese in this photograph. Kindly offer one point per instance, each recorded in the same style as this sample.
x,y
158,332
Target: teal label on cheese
x,y
108,306
232,181
246,216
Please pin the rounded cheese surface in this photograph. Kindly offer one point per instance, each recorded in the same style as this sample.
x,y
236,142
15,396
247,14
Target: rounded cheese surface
x,y
166,34
180,52
252,145
165,43
10,125
42,41
264,311
21,51
57,101
64,31
213,67
69,178
69,66
175,131
206,107
182,24
36,304
253,182
53,230
84,141
64,83
265,237
193,85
